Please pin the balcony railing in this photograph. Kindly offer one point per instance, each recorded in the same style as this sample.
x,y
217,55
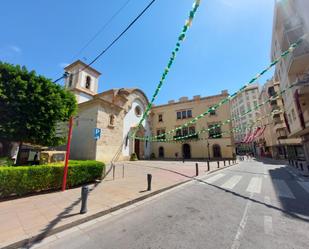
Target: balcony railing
x,y
190,136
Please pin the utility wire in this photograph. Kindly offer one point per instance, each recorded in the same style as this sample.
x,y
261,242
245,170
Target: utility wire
x,y
102,28
114,41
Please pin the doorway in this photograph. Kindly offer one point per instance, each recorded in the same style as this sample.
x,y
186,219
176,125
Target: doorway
x,y
216,151
161,152
186,151
137,148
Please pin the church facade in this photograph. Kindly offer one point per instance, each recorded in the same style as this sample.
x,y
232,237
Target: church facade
x,y
113,113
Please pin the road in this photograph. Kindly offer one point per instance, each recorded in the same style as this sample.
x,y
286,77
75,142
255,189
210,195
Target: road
x,y
251,205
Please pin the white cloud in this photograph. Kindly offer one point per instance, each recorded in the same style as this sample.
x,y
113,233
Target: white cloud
x,y
15,48
63,64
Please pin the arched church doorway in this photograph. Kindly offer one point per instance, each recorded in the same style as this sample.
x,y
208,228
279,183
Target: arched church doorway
x,y
186,151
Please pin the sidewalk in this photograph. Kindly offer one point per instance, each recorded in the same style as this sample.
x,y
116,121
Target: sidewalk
x,y
44,214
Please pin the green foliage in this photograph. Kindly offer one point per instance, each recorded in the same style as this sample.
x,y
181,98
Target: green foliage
x,y
152,156
31,106
133,157
5,161
22,180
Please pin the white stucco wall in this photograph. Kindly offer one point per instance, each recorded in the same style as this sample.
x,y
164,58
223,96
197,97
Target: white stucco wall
x,y
83,97
131,120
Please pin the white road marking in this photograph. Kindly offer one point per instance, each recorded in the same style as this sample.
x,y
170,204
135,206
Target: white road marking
x,y
242,225
267,200
268,224
282,189
231,183
255,185
214,178
305,185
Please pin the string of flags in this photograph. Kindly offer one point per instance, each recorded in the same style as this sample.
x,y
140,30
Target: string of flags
x,y
181,38
224,100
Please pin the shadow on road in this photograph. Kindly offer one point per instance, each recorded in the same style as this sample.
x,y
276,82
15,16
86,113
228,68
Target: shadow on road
x,y
289,206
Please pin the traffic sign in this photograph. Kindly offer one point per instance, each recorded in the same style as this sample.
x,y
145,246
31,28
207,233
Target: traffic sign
x,y
96,133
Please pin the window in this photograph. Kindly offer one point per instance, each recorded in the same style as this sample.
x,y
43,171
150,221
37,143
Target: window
x,y
191,130
159,132
88,82
185,131
215,131
70,80
293,114
178,133
184,114
111,120
160,117
212,112
138,111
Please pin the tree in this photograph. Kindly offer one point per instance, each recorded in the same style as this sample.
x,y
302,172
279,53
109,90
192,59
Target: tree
x,y
31,106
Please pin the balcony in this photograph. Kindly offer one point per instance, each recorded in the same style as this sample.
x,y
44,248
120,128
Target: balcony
x,y
281,133
190,136
275,108
279,126
296,62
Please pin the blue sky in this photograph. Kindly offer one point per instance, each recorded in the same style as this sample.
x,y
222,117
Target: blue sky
x,y
229,42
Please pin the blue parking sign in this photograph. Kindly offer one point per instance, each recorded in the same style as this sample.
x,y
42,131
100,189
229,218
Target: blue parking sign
x,y
96,133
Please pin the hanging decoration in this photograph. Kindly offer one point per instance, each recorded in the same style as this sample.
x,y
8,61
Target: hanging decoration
x,y
225,100
192,135
181,38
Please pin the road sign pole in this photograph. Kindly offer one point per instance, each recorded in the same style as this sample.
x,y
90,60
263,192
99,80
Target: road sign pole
x,y
64,181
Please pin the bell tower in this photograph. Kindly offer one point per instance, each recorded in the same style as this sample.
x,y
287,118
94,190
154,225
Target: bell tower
x,y
82,80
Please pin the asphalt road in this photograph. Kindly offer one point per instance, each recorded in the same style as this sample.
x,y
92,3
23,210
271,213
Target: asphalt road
x,y
251,205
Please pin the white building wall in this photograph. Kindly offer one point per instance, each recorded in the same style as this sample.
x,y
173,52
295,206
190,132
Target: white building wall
x,y
132,120
83,97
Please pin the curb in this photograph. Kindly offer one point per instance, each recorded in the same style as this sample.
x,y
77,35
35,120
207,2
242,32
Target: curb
x,y
37,238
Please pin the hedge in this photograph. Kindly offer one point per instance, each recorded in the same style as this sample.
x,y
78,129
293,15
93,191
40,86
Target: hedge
x,y
21,180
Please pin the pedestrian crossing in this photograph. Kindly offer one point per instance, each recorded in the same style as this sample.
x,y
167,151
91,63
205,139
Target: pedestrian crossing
x,y
232,182
255,184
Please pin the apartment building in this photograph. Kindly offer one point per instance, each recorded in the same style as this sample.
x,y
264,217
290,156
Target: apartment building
x,y
291,23
239,105
215,144
274,141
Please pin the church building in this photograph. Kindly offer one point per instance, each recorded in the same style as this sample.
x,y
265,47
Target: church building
x,y
105,119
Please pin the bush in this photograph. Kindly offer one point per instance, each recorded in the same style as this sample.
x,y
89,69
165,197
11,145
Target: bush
x,y
5,161
152,156
133,157
22,180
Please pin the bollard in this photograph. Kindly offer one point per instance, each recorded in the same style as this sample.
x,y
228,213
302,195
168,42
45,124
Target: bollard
x,y
229,162
149,178
84,193
122,170
208,166
218,163
224,162
196,169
